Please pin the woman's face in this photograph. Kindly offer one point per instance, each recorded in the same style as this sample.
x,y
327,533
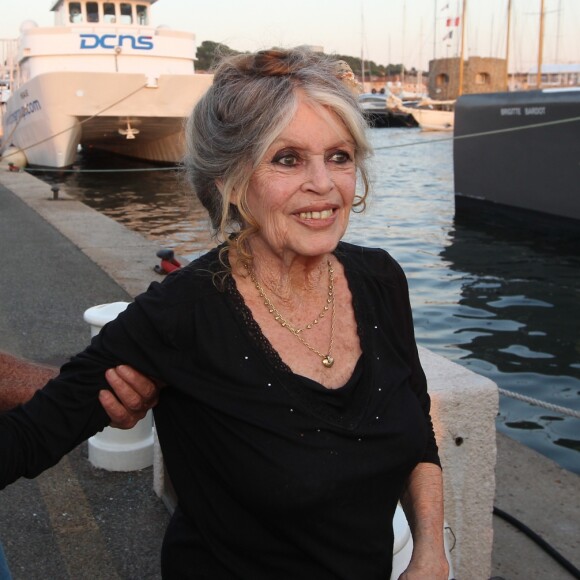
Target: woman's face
x,y
302,192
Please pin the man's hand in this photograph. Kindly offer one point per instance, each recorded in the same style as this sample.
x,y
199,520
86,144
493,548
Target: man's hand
x,y
134,394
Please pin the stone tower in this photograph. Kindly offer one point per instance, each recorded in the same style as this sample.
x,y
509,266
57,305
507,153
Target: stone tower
x,y
480,75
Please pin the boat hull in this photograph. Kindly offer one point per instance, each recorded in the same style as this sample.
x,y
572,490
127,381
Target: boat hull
x,y
434,120
428,114
53,113
533,169
386,118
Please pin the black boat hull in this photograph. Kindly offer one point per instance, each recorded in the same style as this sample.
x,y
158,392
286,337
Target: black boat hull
x,y
519,151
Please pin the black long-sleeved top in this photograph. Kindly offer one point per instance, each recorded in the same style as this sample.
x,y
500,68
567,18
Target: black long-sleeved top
x,y
276,476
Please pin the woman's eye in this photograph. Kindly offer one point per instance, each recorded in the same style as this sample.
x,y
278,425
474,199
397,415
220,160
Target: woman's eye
x,y
340,157
286,159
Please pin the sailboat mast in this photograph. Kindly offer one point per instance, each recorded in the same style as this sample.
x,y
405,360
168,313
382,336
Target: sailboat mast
x,y
403,51
540,45
460,92
507,45
362,55
435,31
419,77
557,58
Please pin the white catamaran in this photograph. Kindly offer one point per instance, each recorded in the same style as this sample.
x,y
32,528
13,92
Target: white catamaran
x,y
101,77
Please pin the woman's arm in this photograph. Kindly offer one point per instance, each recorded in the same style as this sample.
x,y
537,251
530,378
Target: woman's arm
x,y
422,502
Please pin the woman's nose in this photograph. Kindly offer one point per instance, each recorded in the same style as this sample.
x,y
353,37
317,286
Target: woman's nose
x,y
318,177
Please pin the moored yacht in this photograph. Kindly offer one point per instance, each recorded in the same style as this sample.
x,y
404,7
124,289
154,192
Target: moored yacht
x,y
430,114
518,153
102,77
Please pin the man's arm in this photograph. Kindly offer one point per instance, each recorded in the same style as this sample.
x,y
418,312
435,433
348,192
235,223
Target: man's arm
x,y
20,379
134,394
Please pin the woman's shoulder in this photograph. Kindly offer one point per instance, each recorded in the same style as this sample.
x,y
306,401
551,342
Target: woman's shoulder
x,y
192,283
171,307
376,262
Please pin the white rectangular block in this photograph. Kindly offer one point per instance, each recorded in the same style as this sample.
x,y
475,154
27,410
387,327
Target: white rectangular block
x,y
464,409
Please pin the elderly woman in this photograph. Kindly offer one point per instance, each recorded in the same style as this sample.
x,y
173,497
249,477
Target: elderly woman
x,y
295,413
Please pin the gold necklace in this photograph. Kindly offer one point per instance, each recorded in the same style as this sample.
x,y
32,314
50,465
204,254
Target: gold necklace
x,y
327,359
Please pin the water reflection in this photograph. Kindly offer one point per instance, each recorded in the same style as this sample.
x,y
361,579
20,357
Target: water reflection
x,y
154,201
525,293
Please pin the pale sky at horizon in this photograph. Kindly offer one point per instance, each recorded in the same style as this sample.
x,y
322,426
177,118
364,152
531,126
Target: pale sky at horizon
x,y
386,31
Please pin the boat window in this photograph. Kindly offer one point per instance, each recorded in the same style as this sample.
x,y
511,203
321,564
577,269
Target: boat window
x,y
142,14
74,11
482,79
441,80
126,15
109,13
92,12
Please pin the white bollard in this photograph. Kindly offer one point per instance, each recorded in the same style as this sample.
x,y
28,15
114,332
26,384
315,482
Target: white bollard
x,y
464,409
403,544
119,449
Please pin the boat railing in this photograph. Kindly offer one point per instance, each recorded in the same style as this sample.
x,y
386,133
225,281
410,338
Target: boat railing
x,y
8,67
8,76
129,13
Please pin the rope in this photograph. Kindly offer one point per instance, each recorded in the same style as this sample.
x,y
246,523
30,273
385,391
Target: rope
x,y
128,170
396,146
538,403
5,143
80,123
482,133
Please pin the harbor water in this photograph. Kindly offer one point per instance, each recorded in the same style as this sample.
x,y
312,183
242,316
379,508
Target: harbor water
x,y
502,301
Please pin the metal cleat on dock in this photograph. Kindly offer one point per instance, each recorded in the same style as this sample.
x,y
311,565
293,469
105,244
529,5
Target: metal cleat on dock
x,y
168,262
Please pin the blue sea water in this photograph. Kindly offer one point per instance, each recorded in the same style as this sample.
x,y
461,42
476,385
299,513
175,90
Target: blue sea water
x,y
502,301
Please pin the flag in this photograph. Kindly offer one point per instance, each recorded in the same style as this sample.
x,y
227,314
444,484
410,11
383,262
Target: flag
x,y
448,36
452,21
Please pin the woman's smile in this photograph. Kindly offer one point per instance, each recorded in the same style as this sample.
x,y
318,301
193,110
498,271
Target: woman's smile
x,y
316,215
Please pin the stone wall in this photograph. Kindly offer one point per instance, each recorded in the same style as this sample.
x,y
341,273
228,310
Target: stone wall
x,y
480,75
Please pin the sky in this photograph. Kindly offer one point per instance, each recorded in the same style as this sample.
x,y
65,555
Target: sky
x,y
385,31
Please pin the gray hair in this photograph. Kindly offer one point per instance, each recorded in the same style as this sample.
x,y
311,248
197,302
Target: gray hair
x,y
252,99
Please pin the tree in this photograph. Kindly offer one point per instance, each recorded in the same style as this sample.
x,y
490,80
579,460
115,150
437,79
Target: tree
x,y
209,52
371,67
394,69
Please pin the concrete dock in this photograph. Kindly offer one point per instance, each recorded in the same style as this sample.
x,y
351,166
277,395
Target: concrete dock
x,y
75,522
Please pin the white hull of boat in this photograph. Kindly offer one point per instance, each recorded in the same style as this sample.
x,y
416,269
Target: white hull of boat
x,y
429,114
53,113
101,77
433,120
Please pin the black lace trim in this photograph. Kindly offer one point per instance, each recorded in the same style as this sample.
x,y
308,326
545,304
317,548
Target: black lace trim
x,y
316,402
253,327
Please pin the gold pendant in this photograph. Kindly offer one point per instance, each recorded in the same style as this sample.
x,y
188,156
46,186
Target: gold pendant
x,y
327,361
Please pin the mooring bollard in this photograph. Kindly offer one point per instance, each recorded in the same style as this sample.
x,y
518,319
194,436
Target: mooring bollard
x,y
119,449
